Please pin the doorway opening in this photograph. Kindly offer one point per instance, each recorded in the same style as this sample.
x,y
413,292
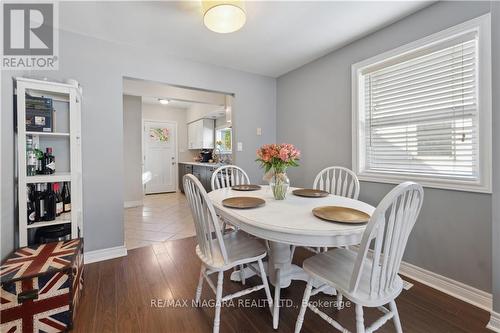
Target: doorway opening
x,y
169,131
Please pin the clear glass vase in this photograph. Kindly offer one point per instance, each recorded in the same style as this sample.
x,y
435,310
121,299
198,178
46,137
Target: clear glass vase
x,y
279,185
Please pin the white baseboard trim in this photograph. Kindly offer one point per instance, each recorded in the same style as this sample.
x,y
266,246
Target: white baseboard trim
x,y
130,204
104,254
494,323
462,291
459,290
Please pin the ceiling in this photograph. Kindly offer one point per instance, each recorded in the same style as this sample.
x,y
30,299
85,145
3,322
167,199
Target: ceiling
x,y
212,103
171,104
277,38
183,96
210,110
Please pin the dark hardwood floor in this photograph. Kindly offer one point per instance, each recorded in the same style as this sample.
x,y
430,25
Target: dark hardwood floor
x,y
118,295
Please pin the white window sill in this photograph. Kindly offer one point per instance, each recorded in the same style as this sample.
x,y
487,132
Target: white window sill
x,y
426,181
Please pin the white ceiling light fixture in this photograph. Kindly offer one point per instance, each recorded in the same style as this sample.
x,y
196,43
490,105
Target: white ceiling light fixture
x,y
224,16
163,101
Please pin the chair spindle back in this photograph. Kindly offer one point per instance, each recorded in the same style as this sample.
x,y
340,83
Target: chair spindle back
x,y
208,230
389,228
227,176
338,181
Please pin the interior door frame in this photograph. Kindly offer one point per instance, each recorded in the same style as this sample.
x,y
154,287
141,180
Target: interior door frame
x,y
176,150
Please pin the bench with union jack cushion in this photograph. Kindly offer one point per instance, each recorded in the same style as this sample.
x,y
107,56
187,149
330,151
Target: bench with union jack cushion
x,y
40,287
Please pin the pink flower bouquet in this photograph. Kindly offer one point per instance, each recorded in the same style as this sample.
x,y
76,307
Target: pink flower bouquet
x,y
278,157
275,158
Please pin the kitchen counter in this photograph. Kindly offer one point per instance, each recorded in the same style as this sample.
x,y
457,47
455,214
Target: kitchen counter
x,y
202,171
205,164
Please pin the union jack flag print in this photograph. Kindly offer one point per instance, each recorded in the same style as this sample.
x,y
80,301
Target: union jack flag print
x,y
40,287
34,260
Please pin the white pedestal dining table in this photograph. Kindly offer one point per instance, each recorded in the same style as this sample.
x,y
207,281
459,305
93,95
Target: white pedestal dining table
x,y
285,224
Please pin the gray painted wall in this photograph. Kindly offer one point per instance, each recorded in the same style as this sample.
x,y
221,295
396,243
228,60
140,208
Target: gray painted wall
x,y
100,66
453,234
132,148
495,12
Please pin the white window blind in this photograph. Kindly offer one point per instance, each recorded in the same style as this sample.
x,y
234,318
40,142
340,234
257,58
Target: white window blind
x,y
421,112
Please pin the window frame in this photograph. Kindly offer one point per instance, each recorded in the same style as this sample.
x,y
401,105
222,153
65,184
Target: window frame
x,y
223,128
483,184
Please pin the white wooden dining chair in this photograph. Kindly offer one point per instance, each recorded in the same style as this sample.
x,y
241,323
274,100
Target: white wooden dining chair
x,y
227,176
219,252
368,278
339,181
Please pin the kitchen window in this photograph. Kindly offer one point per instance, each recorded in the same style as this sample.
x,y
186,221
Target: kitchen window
x,y
422,112
223,139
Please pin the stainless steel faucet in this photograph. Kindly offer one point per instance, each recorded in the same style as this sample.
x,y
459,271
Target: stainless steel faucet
x,y
216,153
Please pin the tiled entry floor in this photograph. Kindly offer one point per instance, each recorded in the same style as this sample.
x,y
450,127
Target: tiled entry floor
x,y
162,217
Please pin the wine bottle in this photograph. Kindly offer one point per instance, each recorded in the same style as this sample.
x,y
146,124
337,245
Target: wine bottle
x,y
50,204
59,200
49,162
66,194
31,160
31,204
39,160
39,199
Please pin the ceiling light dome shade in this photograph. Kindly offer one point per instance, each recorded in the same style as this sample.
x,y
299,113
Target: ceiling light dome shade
x,y
224,16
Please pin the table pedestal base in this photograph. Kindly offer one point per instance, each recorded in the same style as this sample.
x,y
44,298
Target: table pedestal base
x,y
281,273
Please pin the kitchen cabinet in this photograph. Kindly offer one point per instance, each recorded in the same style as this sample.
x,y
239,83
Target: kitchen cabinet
x,y
207,177
199,172
204,175
202,172
201,134
183,170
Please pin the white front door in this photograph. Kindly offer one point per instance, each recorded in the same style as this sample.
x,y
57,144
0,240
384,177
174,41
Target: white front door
x,y
160,160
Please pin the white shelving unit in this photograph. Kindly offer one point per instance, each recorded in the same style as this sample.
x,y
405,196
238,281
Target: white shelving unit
x,y
47,134
67,135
